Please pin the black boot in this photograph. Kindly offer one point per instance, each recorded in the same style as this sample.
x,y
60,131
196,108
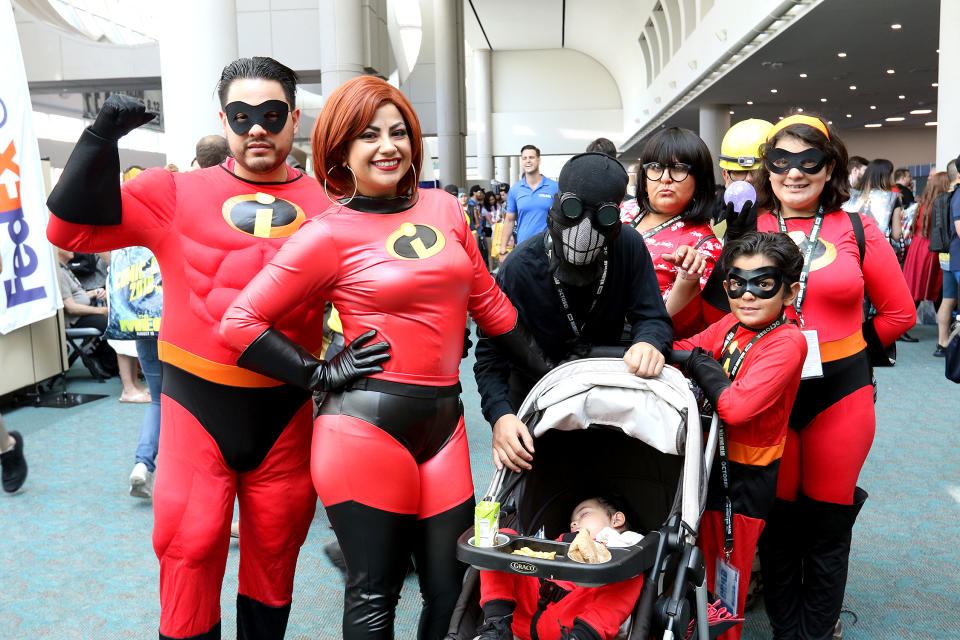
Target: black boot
x,y
780,565
497,621
376,547
829,530
259,621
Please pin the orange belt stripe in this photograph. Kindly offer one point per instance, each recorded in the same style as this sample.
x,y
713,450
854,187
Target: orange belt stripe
x,y
220,373
756,456
842,348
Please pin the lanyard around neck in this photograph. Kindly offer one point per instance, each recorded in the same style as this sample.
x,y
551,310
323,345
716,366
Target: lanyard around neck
x,y
561,292
649,233
807,255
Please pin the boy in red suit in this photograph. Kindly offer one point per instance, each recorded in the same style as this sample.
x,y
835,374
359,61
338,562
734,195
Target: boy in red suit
x,y
748,365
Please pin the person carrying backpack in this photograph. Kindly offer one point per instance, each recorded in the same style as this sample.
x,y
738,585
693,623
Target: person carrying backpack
x,y
942,231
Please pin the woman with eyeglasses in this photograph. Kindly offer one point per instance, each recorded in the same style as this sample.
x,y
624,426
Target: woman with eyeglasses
x,y
389,457
675,201
805,548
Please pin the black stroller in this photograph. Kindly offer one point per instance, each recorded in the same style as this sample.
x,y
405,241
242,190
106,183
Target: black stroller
x,y
593,419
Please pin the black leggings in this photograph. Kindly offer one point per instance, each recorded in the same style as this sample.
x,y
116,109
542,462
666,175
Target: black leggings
x,y
376,546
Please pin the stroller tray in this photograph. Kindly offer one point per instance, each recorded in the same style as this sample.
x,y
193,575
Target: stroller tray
x,y
624,562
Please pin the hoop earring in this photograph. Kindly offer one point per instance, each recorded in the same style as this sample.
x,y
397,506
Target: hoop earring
x,y
356,187
413,188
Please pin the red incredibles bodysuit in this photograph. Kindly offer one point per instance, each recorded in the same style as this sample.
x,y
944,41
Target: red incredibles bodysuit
x,y
390,460
225,431
833,419
755,409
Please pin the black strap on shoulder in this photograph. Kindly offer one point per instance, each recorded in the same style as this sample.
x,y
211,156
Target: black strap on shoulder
x,y
857,225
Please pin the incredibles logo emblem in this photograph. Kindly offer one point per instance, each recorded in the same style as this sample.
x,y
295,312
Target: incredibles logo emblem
x,y
730,356
263,215
415,241
823,254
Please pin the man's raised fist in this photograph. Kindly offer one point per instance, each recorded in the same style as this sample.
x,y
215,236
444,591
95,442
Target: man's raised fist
x,y
120,115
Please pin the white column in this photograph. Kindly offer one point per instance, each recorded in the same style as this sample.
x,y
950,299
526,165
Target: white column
x,y
341,42
514,169
714,122
192,54
948,90
502,172
451,89
484,111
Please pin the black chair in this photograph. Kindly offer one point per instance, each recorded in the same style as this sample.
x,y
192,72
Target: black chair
x,y
81,343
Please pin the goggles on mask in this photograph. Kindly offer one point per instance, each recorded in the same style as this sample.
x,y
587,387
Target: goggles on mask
x,y
271,115
763,283
606,214
809,160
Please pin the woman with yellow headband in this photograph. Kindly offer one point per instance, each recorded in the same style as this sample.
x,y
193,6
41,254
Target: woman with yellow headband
x,y
805,548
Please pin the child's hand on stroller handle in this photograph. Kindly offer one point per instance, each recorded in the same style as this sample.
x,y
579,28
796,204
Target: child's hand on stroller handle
x,y
512,443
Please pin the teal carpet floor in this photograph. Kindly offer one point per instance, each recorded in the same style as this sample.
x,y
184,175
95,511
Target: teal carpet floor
x,y
76,560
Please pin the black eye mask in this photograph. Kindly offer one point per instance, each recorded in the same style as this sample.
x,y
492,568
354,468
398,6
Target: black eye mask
x,y
809,160
739,281
271,115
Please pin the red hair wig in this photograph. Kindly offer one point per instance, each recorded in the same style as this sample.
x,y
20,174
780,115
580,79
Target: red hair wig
x,y
345,114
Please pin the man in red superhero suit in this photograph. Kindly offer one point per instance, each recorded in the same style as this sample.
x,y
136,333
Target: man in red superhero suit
x,y
226,432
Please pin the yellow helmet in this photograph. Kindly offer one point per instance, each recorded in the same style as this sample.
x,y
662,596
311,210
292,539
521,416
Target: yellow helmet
x,y
740,149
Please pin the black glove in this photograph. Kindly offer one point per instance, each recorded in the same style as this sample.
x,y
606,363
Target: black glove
x,y
467,343
275,355
739,223
879,355
707,373
120,115
354,362
580,631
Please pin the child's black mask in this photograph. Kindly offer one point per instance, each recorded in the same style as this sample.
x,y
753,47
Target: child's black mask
x,y
763,283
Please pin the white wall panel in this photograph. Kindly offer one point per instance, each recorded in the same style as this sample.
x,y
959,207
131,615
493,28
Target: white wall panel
x,y
554,132
294,35
899,146
253,35
551,80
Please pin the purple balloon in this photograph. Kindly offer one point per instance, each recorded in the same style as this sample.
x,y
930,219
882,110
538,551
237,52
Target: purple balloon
x,y
738,193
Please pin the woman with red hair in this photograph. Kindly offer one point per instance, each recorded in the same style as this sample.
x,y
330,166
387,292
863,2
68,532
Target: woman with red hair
x,y
390,460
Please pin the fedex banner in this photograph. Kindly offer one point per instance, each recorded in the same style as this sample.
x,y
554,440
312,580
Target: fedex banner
x,y
28,279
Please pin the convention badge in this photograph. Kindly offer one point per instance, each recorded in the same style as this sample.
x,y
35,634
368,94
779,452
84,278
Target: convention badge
x,y
727,585
812,366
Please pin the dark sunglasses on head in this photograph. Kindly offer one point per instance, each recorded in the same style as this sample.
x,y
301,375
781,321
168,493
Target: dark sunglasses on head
x,y
607,213
678,171
809,160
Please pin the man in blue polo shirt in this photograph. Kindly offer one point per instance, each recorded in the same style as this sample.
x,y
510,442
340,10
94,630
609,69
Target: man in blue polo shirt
x,y
529,200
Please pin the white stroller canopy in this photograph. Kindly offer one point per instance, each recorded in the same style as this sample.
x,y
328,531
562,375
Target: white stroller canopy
x,y
662,412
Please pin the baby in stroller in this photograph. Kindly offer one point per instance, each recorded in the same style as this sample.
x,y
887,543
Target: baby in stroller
x,y
528,607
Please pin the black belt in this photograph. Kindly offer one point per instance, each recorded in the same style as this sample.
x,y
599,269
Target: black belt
x,y
404,389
